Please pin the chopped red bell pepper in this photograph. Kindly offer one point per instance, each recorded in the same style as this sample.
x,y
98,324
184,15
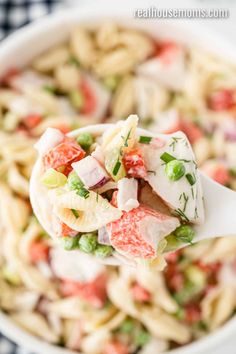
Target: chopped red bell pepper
x,y
140,294
93,292
115,347
38,251
90,99
134,164
63,155
32,120
221,100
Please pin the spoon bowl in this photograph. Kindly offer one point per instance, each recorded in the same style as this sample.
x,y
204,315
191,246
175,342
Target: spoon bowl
x,y
219,202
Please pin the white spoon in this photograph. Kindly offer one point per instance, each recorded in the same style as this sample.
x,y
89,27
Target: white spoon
x,y
219,201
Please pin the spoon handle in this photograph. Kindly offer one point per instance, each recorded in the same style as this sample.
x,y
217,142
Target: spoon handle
x,y
220,211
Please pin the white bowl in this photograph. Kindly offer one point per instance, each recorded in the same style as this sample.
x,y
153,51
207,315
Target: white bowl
x,y
20,48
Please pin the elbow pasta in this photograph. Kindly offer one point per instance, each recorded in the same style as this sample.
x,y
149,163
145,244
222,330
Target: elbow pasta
x,y
97,76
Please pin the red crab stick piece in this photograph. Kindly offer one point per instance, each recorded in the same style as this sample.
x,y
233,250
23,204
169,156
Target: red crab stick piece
x,y
137,233
134,164
63,155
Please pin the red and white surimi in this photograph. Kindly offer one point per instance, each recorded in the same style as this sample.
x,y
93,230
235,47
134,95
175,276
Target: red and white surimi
x,y
138,232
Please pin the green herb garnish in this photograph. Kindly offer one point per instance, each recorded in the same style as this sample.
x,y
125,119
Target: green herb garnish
x,y
75,183
145,139
75,213
181,214
166,157
191,178
116,168
185,233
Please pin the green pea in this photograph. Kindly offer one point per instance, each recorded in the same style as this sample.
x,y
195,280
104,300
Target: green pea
x,y
88,243
142,338
127,326
103,251
70,243
175,170
85,140
76,99
185,233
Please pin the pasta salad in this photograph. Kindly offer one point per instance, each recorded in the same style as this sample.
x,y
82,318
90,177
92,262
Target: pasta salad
x,y
104,76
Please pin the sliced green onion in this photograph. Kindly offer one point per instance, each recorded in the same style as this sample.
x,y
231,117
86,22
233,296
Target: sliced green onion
x,y
75,213
70,243
116,168
75,183
85,140
172,243
53,179
191,178
185,233
145,139
103,251
49,89
175,170
88,242
166,157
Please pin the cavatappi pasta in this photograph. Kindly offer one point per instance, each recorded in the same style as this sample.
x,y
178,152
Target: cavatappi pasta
x,y
94,77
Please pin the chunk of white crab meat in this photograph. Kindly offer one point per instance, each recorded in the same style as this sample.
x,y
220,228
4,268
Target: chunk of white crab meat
x,y
185,194
166,122
102,98
91,173
22,106
30,79
127,196
51,138
71,265
150,97
168,68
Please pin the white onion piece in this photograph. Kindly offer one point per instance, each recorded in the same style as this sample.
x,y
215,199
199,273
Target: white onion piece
x,y
103,236
91,173
98,154
51,138
29,79
107,187
127,196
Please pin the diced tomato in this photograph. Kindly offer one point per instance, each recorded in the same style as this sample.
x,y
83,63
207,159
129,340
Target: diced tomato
x,y
172,257
168,52
61,229
140,294
93,292
8,75
218,173
221,100
63,154
38,251
134,164
174,278
90,99
192,131
192,313
209,267
64,128
116,347
32,120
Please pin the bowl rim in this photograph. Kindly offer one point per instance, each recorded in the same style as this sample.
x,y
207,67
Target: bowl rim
x,y
221,46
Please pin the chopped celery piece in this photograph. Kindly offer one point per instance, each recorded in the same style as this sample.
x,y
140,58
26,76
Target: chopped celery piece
x,y
85,140
11,276
103,251
114,165
70,243
76,99
111,82
53,178
196,276
88,242
172,243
